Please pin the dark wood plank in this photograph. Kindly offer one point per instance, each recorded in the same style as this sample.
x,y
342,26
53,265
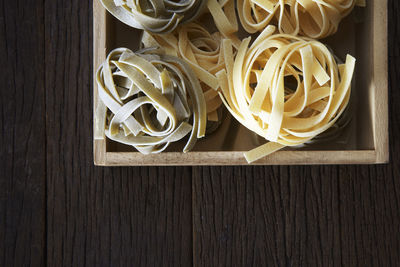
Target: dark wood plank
x,y
304,216
296,216
22,124
101,216
120,217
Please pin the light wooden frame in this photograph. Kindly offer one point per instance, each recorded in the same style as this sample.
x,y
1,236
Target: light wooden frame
x,y
379,106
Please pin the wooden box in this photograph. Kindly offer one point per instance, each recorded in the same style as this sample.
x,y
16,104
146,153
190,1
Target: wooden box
x,y
363,35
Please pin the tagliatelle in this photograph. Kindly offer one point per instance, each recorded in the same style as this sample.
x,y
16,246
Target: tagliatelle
x,y
336,133
151,100
158,16
286,89
201,50
224,16
312,18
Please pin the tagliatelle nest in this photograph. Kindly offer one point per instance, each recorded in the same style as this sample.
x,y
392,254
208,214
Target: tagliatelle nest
x,y
201,50
158,16
312,18
150,100
285,88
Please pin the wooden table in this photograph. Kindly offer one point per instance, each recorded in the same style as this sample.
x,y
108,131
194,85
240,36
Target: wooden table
x,y
58,209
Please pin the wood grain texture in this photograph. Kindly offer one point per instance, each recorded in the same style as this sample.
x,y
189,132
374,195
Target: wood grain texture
x,y
295,216
101,216
205,216
22,130
304,216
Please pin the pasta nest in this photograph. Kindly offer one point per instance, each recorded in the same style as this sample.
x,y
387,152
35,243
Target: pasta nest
x,y
201,50
150,100
157,16
286,89
312,18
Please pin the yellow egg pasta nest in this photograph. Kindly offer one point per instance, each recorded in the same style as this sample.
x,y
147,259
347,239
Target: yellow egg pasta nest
x,y
286,89
312,18
201,50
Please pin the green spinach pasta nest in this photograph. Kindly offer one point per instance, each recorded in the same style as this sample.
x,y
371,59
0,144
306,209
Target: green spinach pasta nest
x,y
157,16
150,100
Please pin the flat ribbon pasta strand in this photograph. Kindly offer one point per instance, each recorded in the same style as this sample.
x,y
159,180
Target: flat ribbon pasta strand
x,y
286,89
151,100
157,16
201,50
312,18
224,16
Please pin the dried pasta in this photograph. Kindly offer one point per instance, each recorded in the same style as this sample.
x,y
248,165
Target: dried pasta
x,y
224,16
150,100
201,50
312,18
157,16
286,89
